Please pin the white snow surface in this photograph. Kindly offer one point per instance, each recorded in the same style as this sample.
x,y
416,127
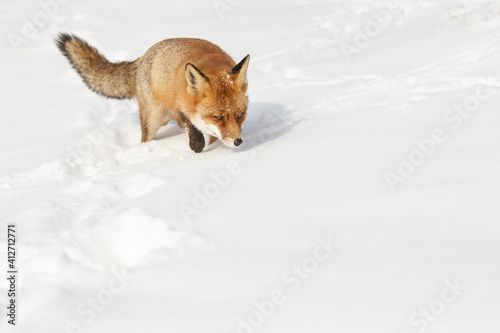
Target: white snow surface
x,y
373,127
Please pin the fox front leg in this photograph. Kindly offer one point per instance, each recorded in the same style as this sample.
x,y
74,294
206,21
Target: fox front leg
x,y
196,139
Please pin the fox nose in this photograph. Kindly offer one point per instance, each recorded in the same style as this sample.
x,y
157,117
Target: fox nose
x,y
238,142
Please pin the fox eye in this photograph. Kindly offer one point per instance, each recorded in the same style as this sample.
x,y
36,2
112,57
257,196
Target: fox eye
x,y
219,118
240,115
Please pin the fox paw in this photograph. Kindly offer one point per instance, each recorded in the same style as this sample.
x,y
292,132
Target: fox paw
x,y
197,146
196,140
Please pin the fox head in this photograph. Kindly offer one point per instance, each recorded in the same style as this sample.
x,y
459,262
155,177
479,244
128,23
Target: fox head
x,y
221,101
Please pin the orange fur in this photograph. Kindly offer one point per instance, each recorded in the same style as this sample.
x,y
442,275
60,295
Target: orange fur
x,y
188,80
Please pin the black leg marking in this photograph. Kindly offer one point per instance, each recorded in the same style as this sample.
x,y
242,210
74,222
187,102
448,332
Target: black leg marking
x,y
196,139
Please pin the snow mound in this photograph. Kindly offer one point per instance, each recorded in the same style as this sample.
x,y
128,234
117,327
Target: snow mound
x,y
62,234
130,238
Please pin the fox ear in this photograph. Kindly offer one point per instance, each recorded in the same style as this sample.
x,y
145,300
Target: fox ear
x,y
239,73
196,80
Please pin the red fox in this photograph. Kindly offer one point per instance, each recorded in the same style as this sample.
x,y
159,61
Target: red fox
x,y
191,81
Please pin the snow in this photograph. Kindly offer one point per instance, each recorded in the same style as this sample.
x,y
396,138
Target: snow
x,y
365,196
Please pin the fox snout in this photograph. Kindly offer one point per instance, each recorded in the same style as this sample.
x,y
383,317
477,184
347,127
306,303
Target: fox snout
x,y
232,143
230,140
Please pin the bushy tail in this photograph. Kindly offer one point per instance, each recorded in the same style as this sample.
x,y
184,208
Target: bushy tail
x,y
115,80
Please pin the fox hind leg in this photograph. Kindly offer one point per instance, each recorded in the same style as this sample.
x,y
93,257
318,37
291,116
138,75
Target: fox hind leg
x,y
149,128
151,120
